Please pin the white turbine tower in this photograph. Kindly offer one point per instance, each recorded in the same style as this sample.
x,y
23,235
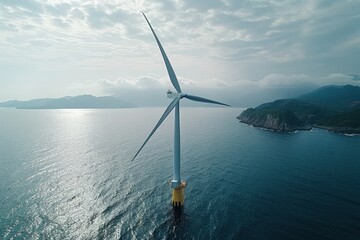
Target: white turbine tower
x,y
176,184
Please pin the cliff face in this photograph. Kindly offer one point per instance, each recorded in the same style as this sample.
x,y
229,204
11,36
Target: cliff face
x,y
277,120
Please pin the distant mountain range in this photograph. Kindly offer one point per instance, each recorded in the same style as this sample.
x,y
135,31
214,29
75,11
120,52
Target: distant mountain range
x,y
82,101
336,108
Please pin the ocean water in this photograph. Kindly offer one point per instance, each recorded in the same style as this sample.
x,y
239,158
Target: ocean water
x,y
67,174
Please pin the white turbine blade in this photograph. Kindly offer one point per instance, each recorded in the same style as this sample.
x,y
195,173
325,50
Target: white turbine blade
x,y
169,68
165,114
201,99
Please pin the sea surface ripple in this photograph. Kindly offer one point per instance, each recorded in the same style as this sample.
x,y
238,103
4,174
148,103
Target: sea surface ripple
x,y
67,174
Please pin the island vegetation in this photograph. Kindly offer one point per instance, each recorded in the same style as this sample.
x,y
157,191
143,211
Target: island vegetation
x,y
335,108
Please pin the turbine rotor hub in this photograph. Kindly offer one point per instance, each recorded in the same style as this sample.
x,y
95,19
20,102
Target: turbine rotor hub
x,y
182,95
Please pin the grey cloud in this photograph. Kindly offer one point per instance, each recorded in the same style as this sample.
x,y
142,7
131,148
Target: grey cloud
x,y
325,3
61,23
203,6
96,17
144,91
167,5
43,43
281,81
58,10
105,16
231,40
318,34
32,6
355,77
77,13
4,26
235,22
99,17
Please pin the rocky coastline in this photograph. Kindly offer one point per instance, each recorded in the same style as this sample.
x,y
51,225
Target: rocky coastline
x,y
280,121
332,108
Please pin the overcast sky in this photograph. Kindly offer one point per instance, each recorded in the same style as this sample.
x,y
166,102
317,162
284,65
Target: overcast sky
x,y
243,52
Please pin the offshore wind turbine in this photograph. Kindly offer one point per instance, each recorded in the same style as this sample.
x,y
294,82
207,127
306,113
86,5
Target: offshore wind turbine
x,y
176,184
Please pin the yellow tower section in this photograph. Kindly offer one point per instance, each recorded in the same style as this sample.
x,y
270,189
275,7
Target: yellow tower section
x,y
178,195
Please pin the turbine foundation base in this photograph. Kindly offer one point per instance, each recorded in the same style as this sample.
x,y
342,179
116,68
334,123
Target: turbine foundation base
x,y
178,195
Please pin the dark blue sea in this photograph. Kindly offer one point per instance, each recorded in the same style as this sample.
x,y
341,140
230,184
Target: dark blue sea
x,y
67,174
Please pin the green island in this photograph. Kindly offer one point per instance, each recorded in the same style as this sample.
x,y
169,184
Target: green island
x,y
334,108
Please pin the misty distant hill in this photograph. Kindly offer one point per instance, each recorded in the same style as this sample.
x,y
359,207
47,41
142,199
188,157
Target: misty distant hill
x,y
336,108
82,101
342,98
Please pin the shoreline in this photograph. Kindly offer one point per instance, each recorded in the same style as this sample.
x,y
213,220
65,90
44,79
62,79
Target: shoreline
x,y
341,130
